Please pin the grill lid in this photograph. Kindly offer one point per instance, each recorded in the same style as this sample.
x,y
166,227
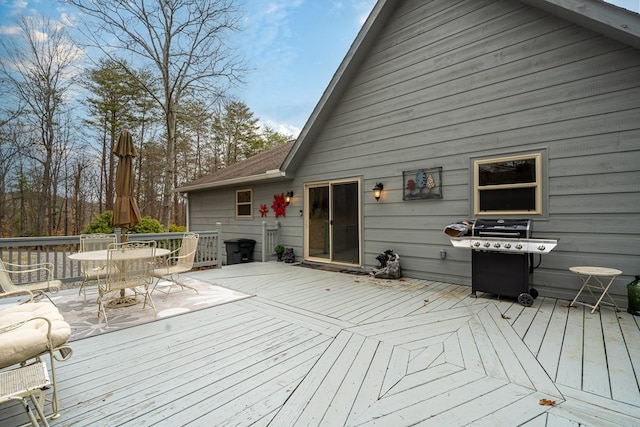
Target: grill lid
x,y
510,228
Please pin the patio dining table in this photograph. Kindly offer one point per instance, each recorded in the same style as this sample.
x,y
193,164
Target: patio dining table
x,y
122,256
129,254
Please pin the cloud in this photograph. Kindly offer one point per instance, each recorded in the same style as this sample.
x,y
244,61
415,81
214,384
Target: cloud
x,y
15,7
268,24
283,128
9,30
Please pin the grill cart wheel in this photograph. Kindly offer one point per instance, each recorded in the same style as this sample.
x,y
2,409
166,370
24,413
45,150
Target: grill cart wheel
x,y
533,293
525,299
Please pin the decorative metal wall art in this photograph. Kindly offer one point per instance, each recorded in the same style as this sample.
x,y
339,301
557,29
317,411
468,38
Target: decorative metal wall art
x,y
422,184
279,204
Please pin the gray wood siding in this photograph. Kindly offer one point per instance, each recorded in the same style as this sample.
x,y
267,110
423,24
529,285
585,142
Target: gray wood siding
x,y
449,81
206,208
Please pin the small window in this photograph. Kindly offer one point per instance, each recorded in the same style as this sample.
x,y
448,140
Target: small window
x,y
243,203
508,185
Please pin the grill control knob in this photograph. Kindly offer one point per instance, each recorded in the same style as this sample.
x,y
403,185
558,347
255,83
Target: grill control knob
x,y
541,248
487,244
518,246
507,245
476,244
496,245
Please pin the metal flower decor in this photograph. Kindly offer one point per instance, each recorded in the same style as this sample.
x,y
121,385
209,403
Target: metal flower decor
x,y
264,210
422,184
279,204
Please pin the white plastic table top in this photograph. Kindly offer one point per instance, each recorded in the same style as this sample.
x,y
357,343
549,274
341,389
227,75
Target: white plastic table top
x,y
102,254
596,271
586,274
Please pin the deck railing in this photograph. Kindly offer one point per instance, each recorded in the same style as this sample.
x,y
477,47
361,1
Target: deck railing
x,y
270,238
56,250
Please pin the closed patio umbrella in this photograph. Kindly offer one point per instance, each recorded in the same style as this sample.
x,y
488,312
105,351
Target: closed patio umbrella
x,y
126,213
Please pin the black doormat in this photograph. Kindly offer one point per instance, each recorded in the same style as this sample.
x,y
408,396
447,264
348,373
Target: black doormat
x,y
334,268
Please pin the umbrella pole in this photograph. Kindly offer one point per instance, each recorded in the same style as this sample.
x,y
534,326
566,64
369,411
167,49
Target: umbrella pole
x,y
123,301
123,239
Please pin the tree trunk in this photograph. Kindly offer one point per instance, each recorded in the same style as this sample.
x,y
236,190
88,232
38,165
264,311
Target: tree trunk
x,y
170,171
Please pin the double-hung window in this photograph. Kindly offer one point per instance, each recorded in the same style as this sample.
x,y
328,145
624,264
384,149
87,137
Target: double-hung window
x,y
243,204
508,185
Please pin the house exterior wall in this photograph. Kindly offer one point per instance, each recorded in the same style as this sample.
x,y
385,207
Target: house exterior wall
x,y
448,82
208,207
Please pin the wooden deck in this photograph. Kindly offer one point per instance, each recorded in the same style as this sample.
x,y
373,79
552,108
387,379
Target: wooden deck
x,y
321,348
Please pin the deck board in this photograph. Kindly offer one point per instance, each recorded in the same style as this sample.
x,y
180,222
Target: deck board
x,y
551,345
538,327
620,367
434,398
503,406
411,351
595,375
342,403
631,334
297,403
570,360
372,384
508,359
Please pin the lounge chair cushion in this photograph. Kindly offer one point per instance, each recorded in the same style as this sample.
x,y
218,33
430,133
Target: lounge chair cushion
x,y
30,339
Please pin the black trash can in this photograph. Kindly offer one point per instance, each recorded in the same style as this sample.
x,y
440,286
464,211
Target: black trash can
x,y
239,250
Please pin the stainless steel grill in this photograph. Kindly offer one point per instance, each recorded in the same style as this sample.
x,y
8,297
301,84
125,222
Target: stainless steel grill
x,y
502,257
497,235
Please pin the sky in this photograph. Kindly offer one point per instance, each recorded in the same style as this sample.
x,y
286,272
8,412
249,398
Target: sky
x,y
293,48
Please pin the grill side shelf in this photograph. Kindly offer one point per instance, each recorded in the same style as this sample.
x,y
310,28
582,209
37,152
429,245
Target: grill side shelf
x,y
496,244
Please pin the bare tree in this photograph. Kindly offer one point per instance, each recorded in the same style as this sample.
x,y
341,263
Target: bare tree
x,y
185,42
8,158
38,63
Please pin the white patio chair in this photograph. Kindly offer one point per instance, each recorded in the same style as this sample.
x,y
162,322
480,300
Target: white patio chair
x,y
177,262
129,267
28,381
93,271
8,269
30,331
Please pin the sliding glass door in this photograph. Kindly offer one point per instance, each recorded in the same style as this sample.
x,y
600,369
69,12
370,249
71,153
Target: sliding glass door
x,y
332,223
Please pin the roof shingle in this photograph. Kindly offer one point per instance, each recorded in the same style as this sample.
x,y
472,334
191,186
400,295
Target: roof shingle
x,y
254,166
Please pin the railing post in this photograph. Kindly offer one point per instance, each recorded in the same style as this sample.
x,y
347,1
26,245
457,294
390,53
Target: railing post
x,y
265,241
277,232
219,244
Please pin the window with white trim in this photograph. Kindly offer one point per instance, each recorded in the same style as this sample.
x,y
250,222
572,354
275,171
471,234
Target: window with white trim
x,y
243,203
508,185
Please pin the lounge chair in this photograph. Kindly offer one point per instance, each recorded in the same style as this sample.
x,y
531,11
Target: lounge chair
x,y
29,381
7,270
29,331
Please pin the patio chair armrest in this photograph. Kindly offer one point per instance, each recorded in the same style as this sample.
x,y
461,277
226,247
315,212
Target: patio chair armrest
x,y
42,334
15,325
175,259
89,268
162,259
30,268
28,292
65,351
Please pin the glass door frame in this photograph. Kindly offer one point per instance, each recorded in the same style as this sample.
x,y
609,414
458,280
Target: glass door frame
x,y
307,211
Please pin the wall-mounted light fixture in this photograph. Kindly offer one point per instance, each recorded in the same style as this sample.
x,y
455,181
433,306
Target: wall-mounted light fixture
x,y
288,197
377,191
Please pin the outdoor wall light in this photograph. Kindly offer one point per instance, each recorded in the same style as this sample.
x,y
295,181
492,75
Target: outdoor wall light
x,y
377,191
288,197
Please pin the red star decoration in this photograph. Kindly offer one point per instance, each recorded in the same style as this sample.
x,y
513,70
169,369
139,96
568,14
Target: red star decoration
x,y
278,204
263,210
